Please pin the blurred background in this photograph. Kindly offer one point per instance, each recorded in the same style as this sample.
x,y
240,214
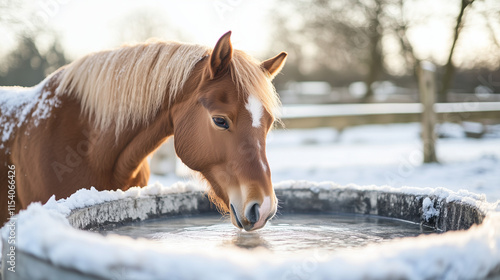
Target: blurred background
x,y
350,88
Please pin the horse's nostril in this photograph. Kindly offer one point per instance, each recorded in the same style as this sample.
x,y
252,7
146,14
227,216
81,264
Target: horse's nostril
x,y
236,217
253,213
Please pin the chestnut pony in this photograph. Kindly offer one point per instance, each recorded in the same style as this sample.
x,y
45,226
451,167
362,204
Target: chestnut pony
x,y
94,122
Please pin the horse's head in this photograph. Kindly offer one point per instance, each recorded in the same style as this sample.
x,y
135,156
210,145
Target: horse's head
x,y
221,132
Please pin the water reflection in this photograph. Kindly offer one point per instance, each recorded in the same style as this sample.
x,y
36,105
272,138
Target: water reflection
x,y
248,240
286,234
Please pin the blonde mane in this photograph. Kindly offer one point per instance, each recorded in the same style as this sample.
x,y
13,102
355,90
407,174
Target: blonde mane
x,y
251,78
130,84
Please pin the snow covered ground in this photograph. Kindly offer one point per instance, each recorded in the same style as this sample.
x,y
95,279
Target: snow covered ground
x,y
44,232
366,155
383,155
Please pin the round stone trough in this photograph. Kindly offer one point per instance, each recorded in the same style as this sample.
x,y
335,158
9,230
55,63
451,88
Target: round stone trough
x,y
55,241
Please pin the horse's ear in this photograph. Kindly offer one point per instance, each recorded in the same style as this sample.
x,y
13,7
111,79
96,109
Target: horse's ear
x,y
221,55
273,65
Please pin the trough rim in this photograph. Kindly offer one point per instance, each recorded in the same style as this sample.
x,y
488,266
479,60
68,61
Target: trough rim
x,y
303,189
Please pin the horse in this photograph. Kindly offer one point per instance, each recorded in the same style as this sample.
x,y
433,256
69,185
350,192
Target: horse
x,y
94,122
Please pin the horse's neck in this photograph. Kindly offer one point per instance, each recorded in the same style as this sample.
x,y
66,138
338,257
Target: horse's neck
x,y
114,161
124,155
136,145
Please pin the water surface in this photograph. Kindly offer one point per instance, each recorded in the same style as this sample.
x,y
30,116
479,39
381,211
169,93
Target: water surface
x,y
283,235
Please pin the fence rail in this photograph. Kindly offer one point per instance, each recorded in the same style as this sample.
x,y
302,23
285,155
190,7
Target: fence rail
x,y
345,115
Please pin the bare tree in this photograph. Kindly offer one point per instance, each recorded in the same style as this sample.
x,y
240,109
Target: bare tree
x,y
449,67
401,25
348,35
374,58
493,34
27,63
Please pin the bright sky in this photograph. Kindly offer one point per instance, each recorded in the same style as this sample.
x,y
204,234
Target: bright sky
x,y
93,25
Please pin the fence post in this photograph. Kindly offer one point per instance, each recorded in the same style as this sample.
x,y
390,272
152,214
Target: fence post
x,y
427,89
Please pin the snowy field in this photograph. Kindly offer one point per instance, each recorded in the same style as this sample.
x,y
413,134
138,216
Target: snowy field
x,y
383,155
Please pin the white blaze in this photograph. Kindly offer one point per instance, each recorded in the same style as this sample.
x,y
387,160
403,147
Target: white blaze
x,y
261,162
263,166
254,106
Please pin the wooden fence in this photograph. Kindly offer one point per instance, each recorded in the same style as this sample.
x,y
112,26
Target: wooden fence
x,y
345,115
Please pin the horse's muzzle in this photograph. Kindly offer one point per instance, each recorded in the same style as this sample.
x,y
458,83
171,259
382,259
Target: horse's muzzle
x,y
255,215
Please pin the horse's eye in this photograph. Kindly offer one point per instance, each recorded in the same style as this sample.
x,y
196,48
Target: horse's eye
x,y
220,122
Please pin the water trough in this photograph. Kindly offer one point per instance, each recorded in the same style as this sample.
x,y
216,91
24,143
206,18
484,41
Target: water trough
x,y
53,241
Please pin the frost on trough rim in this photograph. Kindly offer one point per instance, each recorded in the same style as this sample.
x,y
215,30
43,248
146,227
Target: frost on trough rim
x,y
88,197
464,196
45,232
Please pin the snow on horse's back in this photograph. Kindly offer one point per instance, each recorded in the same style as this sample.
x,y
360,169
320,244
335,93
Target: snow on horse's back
x,y
94,122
